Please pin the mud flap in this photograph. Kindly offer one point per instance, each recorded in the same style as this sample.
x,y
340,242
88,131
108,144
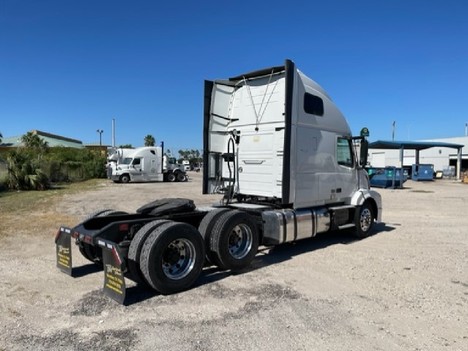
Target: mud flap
x,y
63,250
114,268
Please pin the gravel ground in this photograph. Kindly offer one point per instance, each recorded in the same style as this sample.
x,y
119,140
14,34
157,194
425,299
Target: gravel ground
x,y
403,288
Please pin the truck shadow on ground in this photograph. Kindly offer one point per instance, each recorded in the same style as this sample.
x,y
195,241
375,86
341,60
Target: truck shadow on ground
x,y
268,256
81,271
265,257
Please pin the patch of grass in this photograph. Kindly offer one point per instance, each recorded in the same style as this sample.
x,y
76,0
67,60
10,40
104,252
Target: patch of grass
x,y
34,212
15,201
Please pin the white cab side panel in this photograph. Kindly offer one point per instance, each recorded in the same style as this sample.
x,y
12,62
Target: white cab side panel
x,y
317,179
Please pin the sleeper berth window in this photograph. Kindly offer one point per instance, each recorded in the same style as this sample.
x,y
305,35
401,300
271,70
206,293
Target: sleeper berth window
x,y
313,104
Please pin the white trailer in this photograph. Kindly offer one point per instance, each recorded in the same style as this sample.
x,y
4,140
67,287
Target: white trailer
x,y
282,155
143,164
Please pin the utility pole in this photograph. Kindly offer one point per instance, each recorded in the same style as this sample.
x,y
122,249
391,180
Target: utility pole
x,y
113,132
100,131
393,131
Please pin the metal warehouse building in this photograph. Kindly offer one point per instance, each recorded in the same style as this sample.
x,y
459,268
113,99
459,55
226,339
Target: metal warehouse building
x,y
449,155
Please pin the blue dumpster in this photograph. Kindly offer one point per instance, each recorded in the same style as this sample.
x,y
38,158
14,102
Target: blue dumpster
x,y
388,177
422,172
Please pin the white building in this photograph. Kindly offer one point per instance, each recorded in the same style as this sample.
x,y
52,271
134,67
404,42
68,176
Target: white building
x,y
443,158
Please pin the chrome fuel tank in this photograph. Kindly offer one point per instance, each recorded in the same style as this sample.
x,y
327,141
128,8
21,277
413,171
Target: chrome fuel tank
x,y
285,225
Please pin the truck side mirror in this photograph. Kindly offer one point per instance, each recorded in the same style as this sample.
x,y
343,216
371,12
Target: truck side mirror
x,y
363,153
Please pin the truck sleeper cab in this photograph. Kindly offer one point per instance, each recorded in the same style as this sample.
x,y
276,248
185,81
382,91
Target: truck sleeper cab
x,y
144,164
275,138
282,156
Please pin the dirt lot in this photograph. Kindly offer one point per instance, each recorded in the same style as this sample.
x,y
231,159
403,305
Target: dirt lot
x,y
404,288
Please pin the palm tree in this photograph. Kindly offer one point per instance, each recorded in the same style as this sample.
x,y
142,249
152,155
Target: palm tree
x,y
149,140
33,141
183,155
23,174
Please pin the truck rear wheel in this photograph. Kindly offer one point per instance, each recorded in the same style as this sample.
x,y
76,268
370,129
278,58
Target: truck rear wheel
x,y
181,177
234,240
171,177
84,250
172,257
206,228
364,220
134,251
94,253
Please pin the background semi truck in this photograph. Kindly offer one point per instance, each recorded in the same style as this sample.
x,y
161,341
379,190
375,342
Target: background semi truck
x,y
144,164
282,156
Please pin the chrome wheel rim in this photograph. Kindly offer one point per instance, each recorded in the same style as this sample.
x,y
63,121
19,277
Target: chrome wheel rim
x,y
365,219
178,259
240,241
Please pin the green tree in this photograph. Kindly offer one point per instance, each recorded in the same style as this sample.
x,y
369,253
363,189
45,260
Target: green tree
x,y
23,172
126,146
34,142
70,164
1,136
193,156
149,140
182,155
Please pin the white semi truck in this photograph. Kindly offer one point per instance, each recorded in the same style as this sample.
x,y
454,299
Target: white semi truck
x,y
282,156
143,164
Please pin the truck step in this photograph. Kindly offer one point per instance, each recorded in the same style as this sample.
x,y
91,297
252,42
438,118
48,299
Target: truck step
x,y
339,208
346,226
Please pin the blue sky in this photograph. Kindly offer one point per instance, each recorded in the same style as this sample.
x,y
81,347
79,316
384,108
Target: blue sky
x,y
70,67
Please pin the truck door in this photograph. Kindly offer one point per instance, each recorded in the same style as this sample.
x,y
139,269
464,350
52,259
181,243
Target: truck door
x,y
137,169
152,169
346,173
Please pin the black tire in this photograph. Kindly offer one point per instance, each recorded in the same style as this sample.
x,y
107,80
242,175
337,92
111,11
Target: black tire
x,y
206,228
171,177
94,253
98,213
234,240
181,177
364,220
172,257
84,252
124,178
134,251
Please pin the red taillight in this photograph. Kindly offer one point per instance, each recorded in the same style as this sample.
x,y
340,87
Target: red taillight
x,y
123,227
88,239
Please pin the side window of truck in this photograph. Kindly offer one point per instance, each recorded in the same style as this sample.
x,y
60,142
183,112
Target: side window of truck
x,y
313,104
344,153
136,161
